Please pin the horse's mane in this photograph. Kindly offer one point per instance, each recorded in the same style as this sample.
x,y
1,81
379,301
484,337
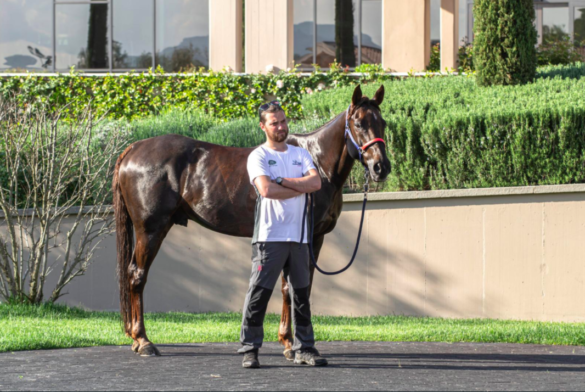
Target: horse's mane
x,y
364,101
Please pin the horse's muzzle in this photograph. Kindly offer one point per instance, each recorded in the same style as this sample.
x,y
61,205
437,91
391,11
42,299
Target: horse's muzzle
x,y
379,169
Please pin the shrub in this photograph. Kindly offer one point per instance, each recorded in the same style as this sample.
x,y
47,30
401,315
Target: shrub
x,y
48,168
220,94
435,61
466,57
505,39
557,49
447,133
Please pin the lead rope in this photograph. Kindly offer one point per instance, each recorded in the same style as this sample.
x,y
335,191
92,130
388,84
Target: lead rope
x,y
310,232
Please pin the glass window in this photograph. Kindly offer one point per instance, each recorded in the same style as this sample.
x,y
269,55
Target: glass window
x,y
82,36
435,22
25,34
463,19
579,29
133,34
336,20
303,21
182,34
555,24
371,32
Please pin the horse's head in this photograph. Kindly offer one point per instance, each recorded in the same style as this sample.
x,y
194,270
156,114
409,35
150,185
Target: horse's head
x,y
365,126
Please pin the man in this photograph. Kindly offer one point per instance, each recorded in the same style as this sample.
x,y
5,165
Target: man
x,y
281,175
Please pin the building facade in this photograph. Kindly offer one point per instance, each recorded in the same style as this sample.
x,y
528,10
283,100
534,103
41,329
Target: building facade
x,y
250,35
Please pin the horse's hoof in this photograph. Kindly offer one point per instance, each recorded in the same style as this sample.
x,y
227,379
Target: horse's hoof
x,y
149,350
135,346
289,354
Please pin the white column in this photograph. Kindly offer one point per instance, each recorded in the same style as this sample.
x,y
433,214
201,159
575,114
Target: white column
x,y
269,35
407,35
449,33
225,34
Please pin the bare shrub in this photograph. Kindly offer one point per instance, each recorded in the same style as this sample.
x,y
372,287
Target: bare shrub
x,y
54,191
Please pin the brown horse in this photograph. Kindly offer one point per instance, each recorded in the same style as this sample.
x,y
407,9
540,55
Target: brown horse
x,y
171,179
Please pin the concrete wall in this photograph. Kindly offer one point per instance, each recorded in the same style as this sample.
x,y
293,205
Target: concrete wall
x,y
511,253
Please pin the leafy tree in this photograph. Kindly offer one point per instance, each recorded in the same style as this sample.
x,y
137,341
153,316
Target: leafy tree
x,y
505,42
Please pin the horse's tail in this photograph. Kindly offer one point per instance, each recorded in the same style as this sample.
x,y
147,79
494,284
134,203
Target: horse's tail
x,y
125,246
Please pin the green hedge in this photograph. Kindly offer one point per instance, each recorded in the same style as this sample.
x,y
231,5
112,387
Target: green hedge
x,y
446,133
222,95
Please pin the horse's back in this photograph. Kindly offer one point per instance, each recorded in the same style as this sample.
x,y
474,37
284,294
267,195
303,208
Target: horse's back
x,y
183,178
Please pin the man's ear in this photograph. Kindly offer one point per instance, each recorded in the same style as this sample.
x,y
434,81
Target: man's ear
x,y
357,95
379,96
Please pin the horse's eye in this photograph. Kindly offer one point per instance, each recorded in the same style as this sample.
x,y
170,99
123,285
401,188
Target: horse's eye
x,y
357,124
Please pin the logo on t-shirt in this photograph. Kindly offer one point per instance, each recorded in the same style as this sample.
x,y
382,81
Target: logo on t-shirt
x,y
296,163
271,163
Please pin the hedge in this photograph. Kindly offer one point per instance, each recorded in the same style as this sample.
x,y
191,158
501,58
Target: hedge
x,y
443,132
446,133
220,94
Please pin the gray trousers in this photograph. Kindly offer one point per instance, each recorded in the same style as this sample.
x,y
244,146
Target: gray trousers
x,y
269,259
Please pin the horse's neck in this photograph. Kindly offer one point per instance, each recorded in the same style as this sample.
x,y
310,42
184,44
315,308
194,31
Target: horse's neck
x,y
332,154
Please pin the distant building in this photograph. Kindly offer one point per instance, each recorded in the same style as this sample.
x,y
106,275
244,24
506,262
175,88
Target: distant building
x,y
123,35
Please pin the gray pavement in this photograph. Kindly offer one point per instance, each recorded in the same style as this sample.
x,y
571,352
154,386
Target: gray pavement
x,y
353,366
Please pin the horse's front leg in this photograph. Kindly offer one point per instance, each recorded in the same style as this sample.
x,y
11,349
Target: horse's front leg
x,y
285,336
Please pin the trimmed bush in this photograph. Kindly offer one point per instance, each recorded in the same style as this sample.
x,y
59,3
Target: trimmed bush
x,y
220,94
447,133
504,44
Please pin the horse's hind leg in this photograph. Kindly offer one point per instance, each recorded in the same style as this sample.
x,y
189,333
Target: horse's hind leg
x,y
284,331
285,336
147,246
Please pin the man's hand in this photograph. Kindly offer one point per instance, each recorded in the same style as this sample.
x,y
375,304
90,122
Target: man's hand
x,y
271,190
308,184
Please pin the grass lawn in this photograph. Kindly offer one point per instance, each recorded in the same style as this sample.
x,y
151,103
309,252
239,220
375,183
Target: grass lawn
x,y
57,326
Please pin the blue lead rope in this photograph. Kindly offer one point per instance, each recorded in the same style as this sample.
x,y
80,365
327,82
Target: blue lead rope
x,y
312,227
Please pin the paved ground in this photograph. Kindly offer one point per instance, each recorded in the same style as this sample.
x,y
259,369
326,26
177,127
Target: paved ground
x,y
353,366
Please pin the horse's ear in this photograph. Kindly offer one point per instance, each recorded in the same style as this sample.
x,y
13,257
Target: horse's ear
x,y
357,96
379,96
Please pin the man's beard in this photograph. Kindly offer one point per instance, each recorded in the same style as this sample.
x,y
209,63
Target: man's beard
x,y
279,137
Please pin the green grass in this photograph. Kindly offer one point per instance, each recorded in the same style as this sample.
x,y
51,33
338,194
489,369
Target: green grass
x,y
58,326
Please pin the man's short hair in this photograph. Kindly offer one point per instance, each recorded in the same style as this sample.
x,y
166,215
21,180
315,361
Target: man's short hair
x,y
271,107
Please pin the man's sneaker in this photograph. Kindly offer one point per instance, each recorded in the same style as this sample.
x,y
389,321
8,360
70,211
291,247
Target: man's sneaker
x,y
309,356
251,359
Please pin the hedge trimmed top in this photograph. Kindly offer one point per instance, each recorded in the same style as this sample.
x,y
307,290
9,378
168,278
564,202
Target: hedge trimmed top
x,y
220,94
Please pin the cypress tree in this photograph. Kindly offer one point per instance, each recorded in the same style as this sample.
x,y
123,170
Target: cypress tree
x,y
505,42
344,47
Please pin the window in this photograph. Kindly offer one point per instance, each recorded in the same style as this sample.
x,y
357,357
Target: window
x,y
133,34
435,22
26,35
579,30
182,34
371,34
82,36
103,35
555,24
346,31
304,36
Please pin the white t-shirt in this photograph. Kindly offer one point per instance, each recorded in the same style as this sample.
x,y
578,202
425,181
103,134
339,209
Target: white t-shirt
x,y
279,220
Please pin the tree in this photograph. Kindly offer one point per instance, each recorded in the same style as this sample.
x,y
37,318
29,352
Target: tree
x,y
505,42
344,47
54,187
